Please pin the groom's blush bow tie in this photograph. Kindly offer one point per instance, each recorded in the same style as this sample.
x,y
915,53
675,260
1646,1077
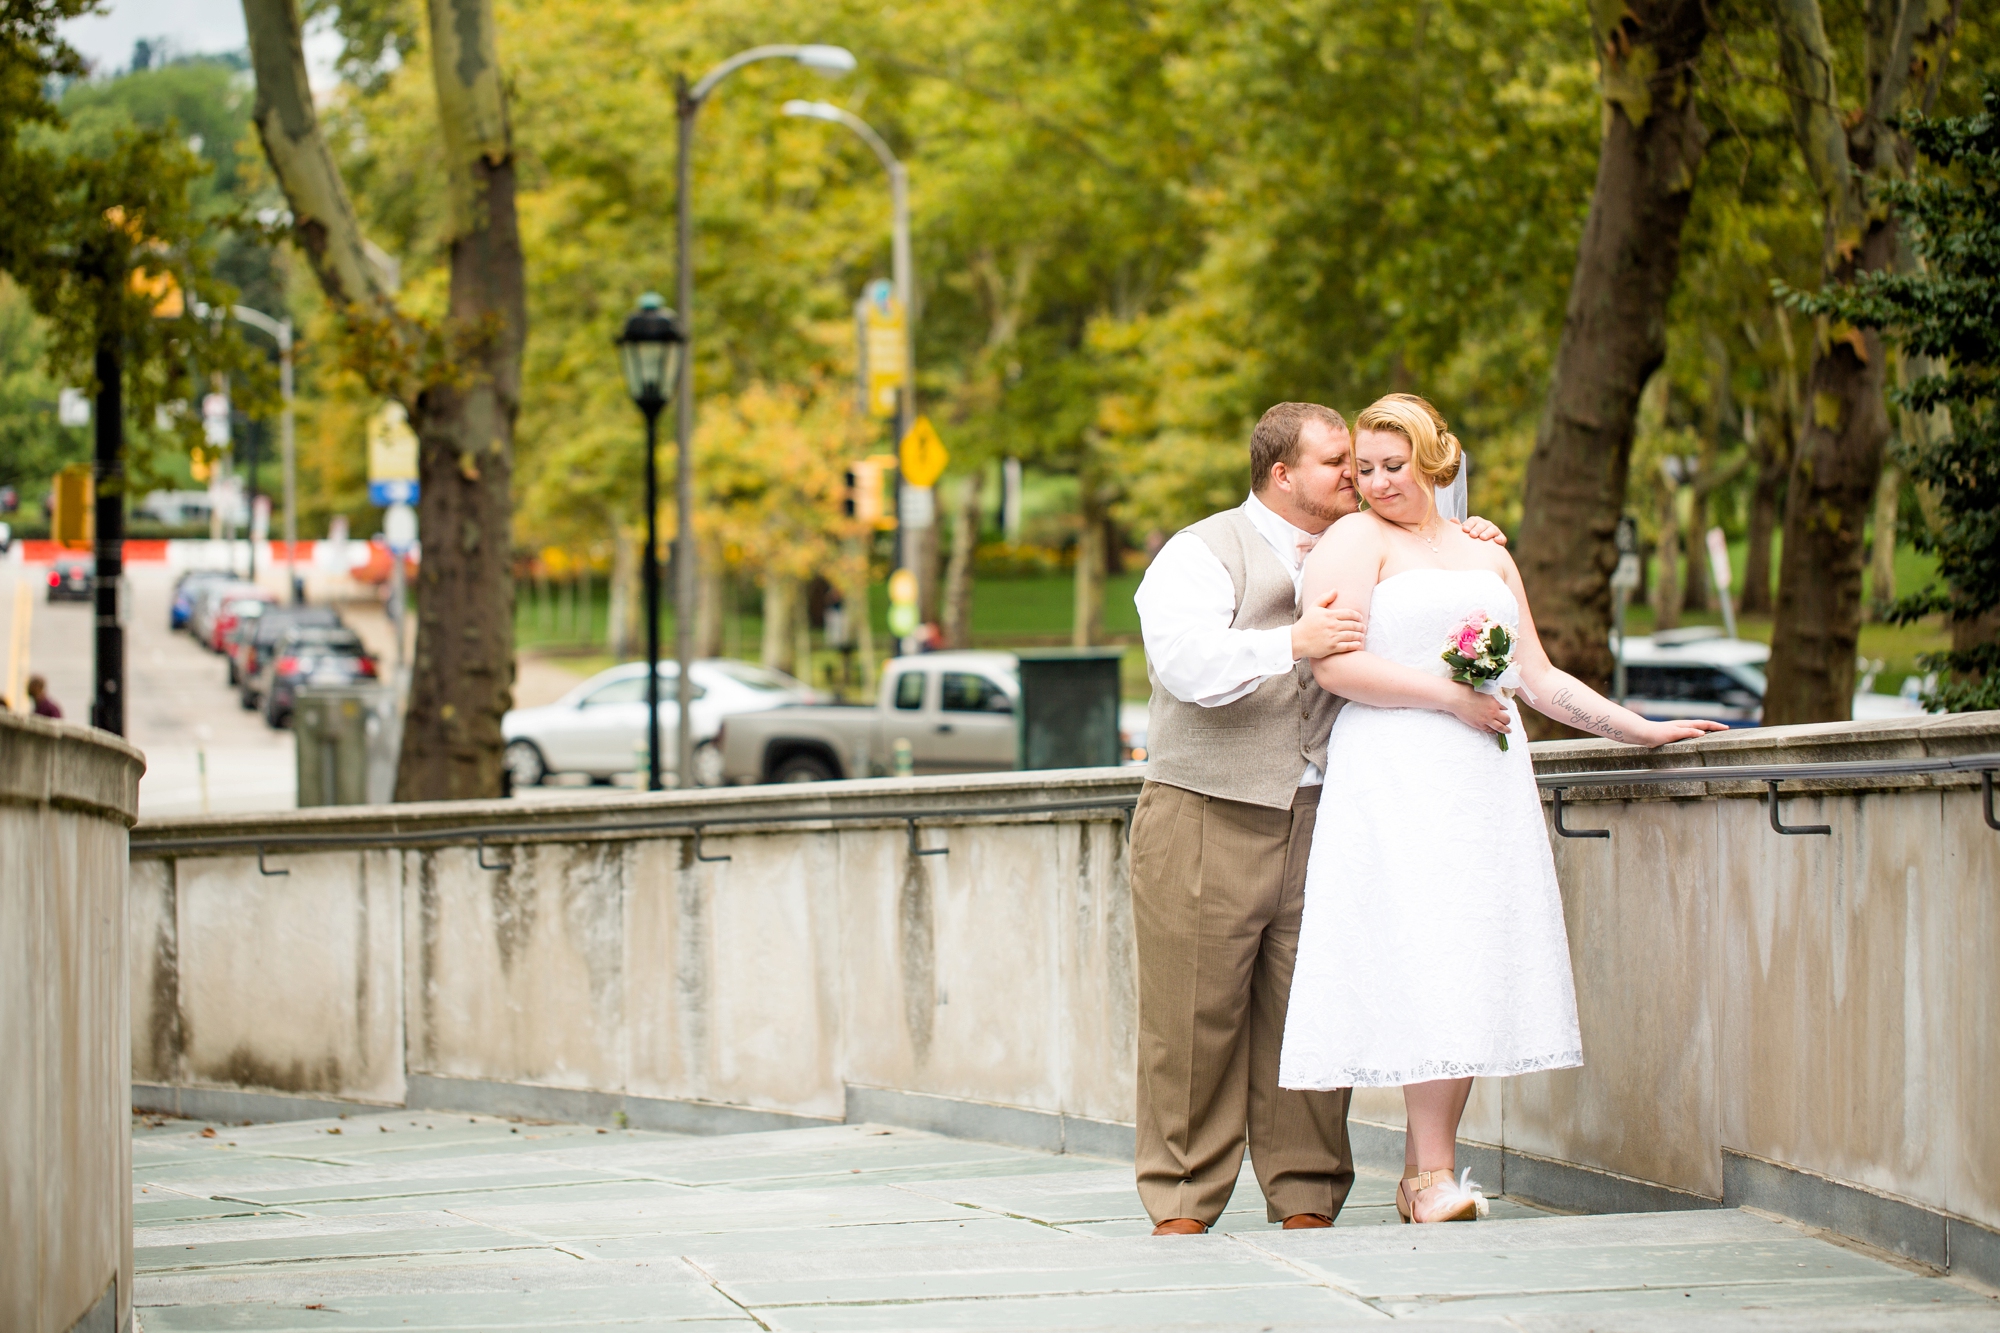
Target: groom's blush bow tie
x,y
1308,540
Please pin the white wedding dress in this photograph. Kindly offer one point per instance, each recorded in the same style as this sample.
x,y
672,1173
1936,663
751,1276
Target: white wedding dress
x,y
1433,943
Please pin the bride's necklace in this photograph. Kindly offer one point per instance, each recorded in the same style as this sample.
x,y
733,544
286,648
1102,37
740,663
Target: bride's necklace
x,y
1435,548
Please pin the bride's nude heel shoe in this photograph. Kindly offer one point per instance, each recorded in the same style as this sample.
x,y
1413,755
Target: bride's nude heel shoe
x,y
1458,1199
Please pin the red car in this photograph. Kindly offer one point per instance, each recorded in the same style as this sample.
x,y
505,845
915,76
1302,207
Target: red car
x,y
236,607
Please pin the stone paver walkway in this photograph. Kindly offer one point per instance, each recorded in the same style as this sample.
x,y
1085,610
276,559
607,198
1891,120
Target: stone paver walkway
x,y
411,1221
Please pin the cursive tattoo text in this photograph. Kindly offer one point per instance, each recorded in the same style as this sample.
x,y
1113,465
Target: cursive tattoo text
x,y
1581,719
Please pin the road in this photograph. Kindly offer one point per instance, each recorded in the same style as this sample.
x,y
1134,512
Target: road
x,y
180,708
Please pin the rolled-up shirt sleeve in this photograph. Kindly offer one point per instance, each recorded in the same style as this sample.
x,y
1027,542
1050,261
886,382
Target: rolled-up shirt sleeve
x,y
1185,604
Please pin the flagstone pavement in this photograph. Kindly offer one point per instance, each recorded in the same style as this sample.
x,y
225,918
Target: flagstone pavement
x,y
405,1220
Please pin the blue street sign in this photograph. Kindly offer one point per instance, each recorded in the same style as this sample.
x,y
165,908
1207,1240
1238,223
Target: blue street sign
x,y
385,493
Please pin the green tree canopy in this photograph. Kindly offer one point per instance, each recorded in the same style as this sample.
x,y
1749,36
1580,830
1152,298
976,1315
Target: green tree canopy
x,y
1948,310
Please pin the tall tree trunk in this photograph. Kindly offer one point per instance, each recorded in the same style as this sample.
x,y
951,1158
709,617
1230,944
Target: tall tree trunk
x,y
708,607
958,575
1882,548
623,631
1773,447
1087,626
462,682
1757,540
775,651
1668,584
1614,333
924,551
1838,463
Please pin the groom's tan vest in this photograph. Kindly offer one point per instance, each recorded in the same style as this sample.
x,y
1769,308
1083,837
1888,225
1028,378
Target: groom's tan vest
x,y
1255,749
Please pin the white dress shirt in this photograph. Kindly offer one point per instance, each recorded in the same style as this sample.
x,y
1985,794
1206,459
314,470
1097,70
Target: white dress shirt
x,y
1185,604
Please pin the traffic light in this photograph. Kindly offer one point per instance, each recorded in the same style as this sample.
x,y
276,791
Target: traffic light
x,y
863,499
71,524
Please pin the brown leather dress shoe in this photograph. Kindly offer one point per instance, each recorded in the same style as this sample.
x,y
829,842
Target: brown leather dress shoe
x,y
1305,1221
1180,1226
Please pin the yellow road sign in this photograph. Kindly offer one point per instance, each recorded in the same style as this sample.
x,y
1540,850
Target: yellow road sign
x,y
922,454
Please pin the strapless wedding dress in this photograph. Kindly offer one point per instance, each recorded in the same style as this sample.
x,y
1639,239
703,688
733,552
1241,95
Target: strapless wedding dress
x,y
1433,943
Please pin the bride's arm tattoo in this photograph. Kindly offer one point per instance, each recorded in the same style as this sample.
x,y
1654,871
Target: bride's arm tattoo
x,y
1580,717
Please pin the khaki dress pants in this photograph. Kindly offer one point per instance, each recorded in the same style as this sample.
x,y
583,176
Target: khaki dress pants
x,y
1217,891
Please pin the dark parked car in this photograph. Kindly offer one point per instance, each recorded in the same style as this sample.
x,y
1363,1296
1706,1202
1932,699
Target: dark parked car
x,y
252,641
71,579
186,588
310,655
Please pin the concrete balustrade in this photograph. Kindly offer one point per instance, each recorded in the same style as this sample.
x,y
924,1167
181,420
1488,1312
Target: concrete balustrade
x,y
1804,1023
67,796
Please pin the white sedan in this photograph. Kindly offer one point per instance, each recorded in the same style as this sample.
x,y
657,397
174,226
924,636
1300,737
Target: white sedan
x,y
599,728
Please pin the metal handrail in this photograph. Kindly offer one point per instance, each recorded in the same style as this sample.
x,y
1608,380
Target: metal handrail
x,y
478,835
1770,775
1857,768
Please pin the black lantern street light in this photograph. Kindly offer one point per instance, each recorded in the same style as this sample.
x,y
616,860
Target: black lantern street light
x,y
650,347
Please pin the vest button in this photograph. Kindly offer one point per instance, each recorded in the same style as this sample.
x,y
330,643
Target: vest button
x,y
1306,713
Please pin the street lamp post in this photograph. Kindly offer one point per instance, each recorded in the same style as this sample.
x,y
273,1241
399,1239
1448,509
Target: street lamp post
x,y
687,105
651,348
281,331
899,241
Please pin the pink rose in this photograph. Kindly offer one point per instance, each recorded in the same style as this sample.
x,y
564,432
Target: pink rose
x,y
1468,640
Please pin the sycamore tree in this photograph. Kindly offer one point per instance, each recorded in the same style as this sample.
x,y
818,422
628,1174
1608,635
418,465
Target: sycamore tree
x,y
1851,151
454,363
1948,310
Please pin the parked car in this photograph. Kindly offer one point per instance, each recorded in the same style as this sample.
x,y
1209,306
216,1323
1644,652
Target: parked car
x,y
186,588
254,639
309,655
956,711
230,608
207,605
72,578
598,727
1696,672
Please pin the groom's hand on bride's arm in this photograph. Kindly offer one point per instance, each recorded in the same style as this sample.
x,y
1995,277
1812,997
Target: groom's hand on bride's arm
x,y
1323,630
1480,530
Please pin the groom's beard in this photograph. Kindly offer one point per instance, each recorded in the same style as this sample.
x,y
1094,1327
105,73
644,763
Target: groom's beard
x,y
1331,511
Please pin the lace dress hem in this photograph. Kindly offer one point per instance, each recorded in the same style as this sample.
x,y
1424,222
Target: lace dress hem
x,y
1425,1071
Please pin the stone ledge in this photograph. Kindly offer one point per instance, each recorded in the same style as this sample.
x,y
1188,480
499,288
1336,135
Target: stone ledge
x,y
990,1122
1943,1240
1947,736
583,1106
960,796
69,767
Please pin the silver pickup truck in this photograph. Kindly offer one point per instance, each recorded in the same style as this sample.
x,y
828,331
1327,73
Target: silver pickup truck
x,y
956,711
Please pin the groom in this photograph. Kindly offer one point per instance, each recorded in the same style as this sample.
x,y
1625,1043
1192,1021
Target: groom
x,y
1236,748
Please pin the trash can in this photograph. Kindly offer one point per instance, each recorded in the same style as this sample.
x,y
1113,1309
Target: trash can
x,y
1069,709
342,735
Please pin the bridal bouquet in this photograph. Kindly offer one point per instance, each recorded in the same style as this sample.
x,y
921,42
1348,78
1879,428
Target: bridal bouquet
x,y
1480,653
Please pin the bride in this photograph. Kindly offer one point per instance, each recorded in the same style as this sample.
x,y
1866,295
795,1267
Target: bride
x,y
1432,949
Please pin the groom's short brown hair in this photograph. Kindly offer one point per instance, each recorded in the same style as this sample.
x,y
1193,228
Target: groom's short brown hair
x,y
1276,439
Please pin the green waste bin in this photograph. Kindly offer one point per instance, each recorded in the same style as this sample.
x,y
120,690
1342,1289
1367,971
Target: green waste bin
x,y
1069,709
341,734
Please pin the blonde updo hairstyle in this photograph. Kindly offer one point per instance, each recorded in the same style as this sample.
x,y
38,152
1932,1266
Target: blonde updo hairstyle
x,y
1434,450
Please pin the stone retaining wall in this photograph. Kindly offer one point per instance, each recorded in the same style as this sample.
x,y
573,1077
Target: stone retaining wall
x,y
67,796
1766,1018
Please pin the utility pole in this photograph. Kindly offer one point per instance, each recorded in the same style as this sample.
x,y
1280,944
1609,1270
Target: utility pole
x,y
107,708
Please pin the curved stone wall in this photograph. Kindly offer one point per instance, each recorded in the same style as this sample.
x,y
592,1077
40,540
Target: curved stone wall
x,y
68,794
